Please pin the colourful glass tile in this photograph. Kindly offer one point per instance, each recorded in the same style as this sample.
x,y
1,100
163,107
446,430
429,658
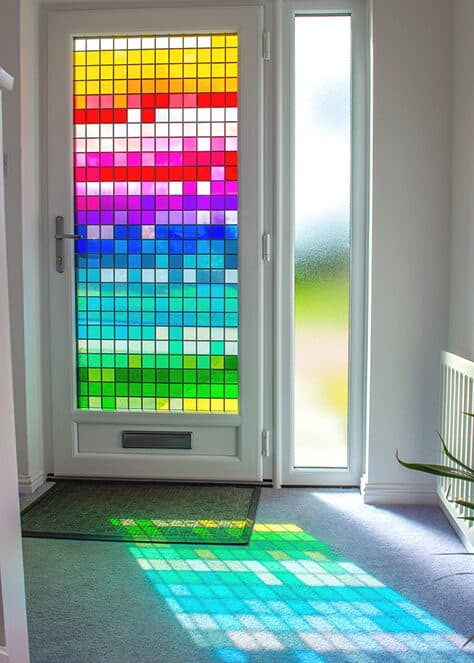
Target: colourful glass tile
x,y
156,205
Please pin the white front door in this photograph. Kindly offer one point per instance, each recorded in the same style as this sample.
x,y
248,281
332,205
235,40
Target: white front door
x,y
154,158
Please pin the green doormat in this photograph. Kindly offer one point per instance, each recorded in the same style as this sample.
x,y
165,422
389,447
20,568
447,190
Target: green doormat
x,y
143,512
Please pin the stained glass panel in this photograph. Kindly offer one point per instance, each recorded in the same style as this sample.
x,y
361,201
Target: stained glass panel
x,y
156,205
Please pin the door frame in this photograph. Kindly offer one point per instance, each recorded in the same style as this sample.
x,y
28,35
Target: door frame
x,y
284,472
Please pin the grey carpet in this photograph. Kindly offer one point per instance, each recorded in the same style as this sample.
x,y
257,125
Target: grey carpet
x,y
91,602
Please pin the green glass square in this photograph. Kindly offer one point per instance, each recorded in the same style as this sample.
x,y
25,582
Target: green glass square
x,y
121,388
204,391
162,375
135,375
203,361
135,361
176,390
217,376
121,374
231,362
162,361
148,361
121,360
108,403
231,377
231,391
176,347
134,303
189,376
176,304
108,375
82,373
149,390
217,391
176,361
82,359
189,361
108,361
148,304
95,388
232,305
203,376
217,347
204,304
94,375
94,360
108,389
149,375
190,391
83,403
135,390
83,388
176,375
162,390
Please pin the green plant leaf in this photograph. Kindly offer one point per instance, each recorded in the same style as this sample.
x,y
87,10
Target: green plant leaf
x,y
438,470
469,640
469,505
452,457
469,414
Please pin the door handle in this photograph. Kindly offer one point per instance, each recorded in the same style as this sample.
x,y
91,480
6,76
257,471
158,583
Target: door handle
x,y
60,236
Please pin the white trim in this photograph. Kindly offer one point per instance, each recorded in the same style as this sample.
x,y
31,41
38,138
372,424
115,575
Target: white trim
x,y
396,493
4,658
27,484
466,537
359,248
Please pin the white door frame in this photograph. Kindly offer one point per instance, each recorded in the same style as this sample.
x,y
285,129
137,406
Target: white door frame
x,y
286,473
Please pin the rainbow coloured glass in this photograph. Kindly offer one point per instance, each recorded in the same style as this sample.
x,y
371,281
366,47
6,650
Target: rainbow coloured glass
x,y
156,203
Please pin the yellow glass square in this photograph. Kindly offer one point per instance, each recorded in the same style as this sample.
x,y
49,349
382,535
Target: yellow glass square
x,y
204,70
120,57
232,85
148,56
218,84
232,40
203,405
79,58
106,72
134,57
93,57
79,87
189,55
79,73
148,71
176,70
162,71
134,71
232,55
217,405
218,54
162,56
120,86
189,405
218,70
231,70
204,84
218,40
189,71
189,85
162,404
92,87
79,102
120,72
204,55
93,73
107,57
106,87
176,55
231,405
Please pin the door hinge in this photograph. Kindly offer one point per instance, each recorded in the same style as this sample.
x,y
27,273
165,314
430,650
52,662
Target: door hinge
x,y
266,46
266,439
266,247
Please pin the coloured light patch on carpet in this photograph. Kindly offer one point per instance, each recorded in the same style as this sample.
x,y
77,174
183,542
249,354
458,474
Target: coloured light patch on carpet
x,y
289,598
156,205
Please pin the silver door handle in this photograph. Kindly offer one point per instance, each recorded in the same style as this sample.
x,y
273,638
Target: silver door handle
x,y
59,236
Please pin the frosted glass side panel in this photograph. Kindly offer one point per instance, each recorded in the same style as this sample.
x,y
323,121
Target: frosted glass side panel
x,y
322,239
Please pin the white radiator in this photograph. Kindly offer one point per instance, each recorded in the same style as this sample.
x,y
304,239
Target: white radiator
x,y
457,430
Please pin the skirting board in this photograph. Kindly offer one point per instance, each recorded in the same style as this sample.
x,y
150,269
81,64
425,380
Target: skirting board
x,y
27,484
466,537
3,655
397,493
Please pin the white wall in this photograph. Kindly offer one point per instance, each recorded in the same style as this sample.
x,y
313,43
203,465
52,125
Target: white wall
x,y
18,28
461,312
412,56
